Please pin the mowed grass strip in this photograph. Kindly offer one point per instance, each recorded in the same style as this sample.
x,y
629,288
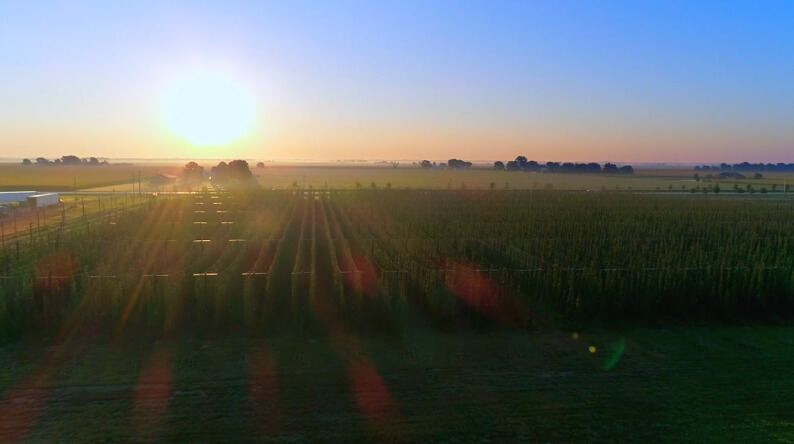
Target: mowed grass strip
x,y
692,384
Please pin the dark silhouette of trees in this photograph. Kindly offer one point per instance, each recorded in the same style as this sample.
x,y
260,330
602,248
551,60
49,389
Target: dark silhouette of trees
x,y
193,172
499,165
236,171
70,160
779,167
522,164
426,164
532,166
260,165
457,163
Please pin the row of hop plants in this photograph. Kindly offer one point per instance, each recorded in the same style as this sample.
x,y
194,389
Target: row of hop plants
x,y
137,270
394,259
616,256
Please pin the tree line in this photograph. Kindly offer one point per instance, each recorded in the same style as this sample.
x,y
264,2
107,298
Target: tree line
x,y
522,164
747,166
451,163
69,160
236,171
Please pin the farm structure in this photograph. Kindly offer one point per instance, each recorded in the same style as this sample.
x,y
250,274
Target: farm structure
x,y
15,196
44,200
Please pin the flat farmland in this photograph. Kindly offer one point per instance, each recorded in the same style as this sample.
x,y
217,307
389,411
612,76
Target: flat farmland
x,y
403,315
321,177
60,178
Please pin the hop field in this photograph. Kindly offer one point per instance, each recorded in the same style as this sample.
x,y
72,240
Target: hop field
x,y
389,261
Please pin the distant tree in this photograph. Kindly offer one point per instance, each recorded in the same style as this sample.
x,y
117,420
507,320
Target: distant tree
x,y
27,162
70,160
593,167
627,169
532,166
696,176
238,170
457,163
220,173
193,172
512,166
373,186
42,161
758,176
93,161
388,185
521,161
492,185
358,185
260,165
57,162
567,167
499,165
426,164
717,188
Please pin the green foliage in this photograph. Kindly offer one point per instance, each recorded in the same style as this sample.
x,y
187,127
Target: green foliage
x,y
306,261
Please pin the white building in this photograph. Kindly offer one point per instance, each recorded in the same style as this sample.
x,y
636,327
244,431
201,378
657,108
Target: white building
x,y
15,196
44,200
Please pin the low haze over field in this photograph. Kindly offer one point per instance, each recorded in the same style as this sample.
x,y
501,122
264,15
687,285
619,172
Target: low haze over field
x,y
592,81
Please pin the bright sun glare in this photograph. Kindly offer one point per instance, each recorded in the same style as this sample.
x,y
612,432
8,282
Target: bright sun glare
x,y
208,109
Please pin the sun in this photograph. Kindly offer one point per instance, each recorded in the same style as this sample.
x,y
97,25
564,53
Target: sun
x,y
208,109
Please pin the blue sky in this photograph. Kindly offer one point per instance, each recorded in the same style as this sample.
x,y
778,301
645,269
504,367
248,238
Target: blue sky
x,y
578,80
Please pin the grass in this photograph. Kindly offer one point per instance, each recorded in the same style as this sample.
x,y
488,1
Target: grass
x,y
692,384
60,178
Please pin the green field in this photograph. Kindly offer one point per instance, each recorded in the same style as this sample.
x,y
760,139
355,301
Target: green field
x,y
15,177
673,385
402,315
328,176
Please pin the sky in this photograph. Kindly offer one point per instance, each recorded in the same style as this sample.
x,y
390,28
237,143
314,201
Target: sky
x,y
630,81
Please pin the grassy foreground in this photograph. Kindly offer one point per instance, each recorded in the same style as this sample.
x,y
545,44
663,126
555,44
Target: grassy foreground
x,y
684,385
